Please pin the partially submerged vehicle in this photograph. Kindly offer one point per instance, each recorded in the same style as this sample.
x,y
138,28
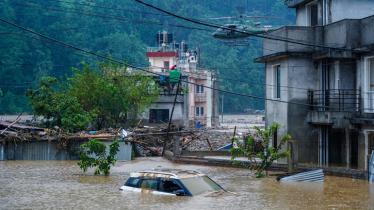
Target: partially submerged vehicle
x,y
171,182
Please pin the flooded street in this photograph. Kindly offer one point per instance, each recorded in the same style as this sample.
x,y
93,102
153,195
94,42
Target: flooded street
x,y
62,185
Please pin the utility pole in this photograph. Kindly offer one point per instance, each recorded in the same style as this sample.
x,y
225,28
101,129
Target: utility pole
x,y
171,116
223,96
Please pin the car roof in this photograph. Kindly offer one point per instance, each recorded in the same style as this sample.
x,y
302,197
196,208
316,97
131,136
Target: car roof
x,y
167,173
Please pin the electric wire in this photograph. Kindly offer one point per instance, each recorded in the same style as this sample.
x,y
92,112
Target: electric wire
x,y
264,36
153,73
233,79
104,16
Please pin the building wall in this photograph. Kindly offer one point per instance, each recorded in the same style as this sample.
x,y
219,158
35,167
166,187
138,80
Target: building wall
x,y
336,10
209,102
177,115
157,63
276,112
293,117
306,134
348,9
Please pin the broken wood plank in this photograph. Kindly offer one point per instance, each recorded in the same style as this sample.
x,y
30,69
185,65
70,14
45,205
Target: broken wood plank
x,y
18,119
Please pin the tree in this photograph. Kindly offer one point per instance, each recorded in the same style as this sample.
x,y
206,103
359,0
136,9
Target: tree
x,y
111,91
267,156
99,96
97,149
57,106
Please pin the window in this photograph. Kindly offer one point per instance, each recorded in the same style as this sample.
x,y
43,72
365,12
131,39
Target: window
x,y
166,65
199,88
132,182
232,30
369,84
312,14
149,184
276,81
197,185
199,111
169,186
159,116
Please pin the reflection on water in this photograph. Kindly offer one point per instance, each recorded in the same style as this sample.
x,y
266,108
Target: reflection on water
x,y
62,185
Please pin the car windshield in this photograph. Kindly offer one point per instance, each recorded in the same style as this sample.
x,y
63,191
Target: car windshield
x,y
200,184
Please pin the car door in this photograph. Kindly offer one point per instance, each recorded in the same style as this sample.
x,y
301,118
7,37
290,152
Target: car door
x,y
152,186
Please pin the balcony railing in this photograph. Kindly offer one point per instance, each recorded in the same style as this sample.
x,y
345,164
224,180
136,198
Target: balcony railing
x,y
200,97
162,49
169,91
334,100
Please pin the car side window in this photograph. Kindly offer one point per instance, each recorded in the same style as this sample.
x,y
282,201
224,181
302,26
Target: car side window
x,y
132,182
150,184
169,186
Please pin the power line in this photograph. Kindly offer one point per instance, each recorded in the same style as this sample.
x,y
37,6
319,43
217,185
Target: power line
x,y
105,16
224,91
265,37
248,82
160,14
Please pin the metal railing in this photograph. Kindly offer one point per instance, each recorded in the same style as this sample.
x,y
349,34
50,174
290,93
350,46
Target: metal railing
x,y
161,49
170,91
334,100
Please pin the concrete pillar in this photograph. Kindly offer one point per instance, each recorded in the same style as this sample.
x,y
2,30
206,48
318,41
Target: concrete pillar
x,y
348,147
369,169
366,149
320,148
176,145
327,146
294,157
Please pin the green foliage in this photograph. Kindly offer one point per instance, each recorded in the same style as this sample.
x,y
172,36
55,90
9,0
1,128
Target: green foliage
x,y
57,106
97,96
110,91
101,160
267,156
24,62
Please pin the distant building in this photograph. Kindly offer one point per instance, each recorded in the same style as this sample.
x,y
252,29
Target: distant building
x,y
195,102
335,127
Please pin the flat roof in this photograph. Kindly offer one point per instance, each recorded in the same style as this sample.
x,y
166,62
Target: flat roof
x,y
167,173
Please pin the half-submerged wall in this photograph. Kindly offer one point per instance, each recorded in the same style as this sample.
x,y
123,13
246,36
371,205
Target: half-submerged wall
x,y
46,150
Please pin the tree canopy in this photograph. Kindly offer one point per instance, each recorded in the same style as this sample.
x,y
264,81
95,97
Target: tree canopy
x,y
99,96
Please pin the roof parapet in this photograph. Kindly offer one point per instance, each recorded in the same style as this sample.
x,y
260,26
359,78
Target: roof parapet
x,y
295,3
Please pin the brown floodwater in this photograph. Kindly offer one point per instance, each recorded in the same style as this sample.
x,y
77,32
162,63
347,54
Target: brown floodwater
x,y
62,185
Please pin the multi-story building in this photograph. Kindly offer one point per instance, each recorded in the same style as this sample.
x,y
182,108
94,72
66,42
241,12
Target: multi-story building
x,y
196,101
324,68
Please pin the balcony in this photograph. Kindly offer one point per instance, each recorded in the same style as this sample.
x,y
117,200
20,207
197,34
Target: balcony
x,y
333,107
165,51
340,100
199,73
161,49
200,97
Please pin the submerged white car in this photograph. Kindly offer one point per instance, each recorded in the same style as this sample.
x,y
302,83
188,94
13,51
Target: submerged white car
x,y
171,182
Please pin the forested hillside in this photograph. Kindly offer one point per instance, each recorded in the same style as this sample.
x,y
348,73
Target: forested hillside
x,y
123,29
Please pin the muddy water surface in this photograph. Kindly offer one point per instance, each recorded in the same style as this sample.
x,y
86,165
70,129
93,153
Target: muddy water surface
x,y
62,185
